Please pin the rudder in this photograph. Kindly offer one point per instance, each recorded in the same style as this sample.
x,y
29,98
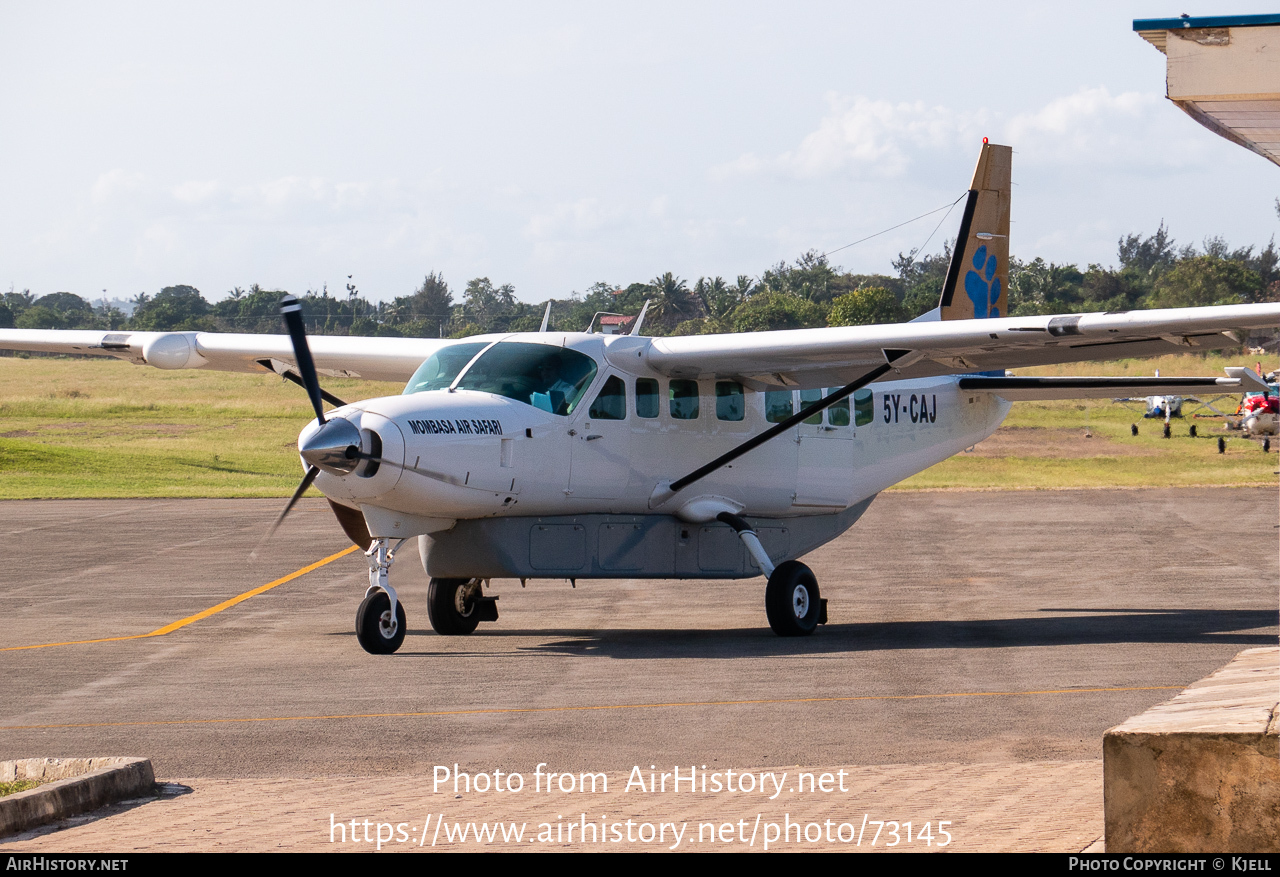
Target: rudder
x,y
977,284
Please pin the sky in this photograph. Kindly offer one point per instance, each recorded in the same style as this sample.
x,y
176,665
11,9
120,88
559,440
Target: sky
x,y
555,145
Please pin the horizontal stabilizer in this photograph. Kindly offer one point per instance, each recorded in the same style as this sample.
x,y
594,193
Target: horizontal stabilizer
x,y
1017,389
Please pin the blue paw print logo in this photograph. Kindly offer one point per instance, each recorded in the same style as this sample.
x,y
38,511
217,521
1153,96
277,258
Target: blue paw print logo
x,y
982,286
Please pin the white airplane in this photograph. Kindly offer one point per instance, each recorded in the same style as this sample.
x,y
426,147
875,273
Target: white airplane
x,y
574,455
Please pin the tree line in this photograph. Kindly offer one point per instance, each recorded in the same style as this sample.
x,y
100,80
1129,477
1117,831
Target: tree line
x,y
1152,272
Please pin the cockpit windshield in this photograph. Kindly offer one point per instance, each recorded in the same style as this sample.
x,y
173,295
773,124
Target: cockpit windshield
x,y
546,377
438,372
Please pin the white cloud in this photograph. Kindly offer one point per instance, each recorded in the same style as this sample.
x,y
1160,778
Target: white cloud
x,y
1094,127
195,191
284,192
877,138
861,135
116,182
572,218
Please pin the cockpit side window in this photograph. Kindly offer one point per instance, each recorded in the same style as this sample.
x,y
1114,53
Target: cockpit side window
x,y
611,403
550,378
438,372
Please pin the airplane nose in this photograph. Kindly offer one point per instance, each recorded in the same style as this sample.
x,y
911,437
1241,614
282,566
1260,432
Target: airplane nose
x,y
333,447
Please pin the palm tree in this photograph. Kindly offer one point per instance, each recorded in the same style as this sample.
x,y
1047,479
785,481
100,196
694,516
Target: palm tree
x,y
717,297
672,301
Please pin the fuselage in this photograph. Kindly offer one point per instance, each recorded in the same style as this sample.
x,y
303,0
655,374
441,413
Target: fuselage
x,y
515,447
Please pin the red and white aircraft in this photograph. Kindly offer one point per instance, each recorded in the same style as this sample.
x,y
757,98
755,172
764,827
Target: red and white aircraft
x,y
574,455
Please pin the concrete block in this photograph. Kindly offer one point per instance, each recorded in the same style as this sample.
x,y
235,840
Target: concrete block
x,y
1201,772
71,786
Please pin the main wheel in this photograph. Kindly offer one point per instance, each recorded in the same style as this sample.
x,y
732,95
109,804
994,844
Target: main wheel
x,y
377,631
451,606
791,600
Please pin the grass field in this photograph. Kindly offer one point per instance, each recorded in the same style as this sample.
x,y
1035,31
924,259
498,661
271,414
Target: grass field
x,y
105,428
1042,445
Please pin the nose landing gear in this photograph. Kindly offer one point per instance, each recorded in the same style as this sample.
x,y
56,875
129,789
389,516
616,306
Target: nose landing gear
x,y
380,620
379,630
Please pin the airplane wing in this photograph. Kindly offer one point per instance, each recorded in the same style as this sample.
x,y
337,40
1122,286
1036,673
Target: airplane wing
x,y
803,358
969,331
375,359
809,358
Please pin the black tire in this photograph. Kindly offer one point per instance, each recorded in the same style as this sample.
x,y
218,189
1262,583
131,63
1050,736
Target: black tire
x,y
450,615
376,634
791,600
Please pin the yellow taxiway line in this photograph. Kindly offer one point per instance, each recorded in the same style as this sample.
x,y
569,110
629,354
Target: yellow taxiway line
x,y
191,619
619,706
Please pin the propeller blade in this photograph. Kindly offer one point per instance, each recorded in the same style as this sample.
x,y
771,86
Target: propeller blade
x,y
291,310
312,472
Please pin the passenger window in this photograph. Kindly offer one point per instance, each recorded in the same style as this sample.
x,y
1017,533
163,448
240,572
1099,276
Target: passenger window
x,y
646,397
684,400
838,412
807,398
777,406
863,412
611,404
729,401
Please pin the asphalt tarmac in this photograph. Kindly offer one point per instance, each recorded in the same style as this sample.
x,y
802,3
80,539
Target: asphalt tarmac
x,y
992,628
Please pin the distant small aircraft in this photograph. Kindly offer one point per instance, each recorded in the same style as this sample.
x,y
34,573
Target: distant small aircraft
x,y
575,455
1260,413
1164,407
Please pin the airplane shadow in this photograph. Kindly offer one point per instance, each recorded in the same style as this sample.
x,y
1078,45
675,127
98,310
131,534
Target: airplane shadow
x,y
1108,626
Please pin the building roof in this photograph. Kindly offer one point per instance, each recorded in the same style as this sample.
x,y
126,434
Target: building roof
x,y
1155,30
1220,70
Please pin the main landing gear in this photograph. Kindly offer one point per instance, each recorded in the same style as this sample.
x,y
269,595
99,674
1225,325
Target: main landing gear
x,y
791,599
792,602
456,606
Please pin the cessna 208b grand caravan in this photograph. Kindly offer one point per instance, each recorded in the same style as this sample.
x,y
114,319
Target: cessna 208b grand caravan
x,y
575,455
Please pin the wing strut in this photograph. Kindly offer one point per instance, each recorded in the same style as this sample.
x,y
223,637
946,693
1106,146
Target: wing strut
x,y
290,375
894,359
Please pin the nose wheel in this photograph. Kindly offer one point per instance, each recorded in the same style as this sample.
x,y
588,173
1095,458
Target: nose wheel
x,y
379,629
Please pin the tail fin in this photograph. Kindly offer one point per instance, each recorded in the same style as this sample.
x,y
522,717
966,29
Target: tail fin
x,y
978,278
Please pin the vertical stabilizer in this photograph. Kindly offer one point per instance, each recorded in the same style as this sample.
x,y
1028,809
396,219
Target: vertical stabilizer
x,y
977,283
